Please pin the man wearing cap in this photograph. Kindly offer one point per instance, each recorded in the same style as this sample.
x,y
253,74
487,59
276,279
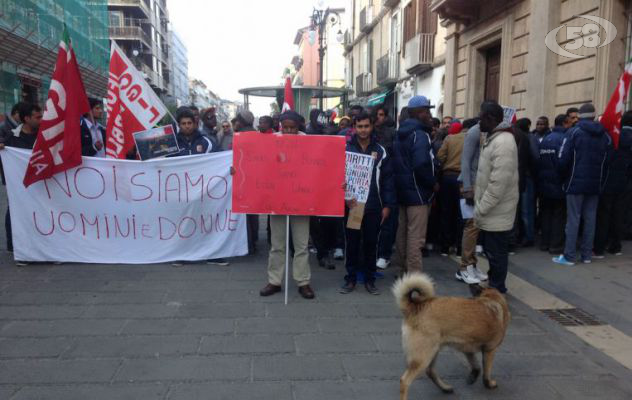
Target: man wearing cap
x,y
299,229
413,168
583,161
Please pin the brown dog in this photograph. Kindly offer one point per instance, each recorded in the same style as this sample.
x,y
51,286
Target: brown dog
x,y
468,325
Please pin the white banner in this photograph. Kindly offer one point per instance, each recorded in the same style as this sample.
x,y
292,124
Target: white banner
x,y
126,212
358,172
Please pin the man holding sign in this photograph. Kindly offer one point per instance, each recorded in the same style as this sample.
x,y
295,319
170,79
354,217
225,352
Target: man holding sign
x,y
370,199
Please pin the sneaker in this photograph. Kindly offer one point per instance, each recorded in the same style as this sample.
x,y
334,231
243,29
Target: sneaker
x,y
21,263
598,256
312,249
382,263
339,254
482,276
562,260
370,287
479,249
618,253
218,261
177,264
467,275
347,288
445,251
430,246
587,261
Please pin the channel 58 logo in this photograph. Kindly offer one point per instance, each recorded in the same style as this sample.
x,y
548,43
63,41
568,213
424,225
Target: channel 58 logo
x,y
589,35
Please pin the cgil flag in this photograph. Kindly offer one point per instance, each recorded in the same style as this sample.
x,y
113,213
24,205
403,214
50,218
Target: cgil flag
x,y
132,105
288,96
611,118
58,143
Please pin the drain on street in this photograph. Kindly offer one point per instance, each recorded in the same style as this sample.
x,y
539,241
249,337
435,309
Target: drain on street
x,y
572,317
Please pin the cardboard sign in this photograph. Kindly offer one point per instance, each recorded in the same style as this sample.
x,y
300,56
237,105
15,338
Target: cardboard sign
x,y
110,211
358,174
288,174
157,142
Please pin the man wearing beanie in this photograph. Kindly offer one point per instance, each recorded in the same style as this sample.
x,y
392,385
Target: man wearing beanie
x,y
584,164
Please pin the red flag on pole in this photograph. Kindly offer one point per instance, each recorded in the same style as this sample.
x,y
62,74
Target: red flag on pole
x,y
132,105
288,96
611,118
58,143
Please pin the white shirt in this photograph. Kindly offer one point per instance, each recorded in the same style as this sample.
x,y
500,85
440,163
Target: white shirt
x,y
95,132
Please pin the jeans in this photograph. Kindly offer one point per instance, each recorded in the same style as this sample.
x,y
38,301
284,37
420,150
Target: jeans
x,y
610,222
496,248
579,208
553,216
388,232
450,212
527,210
361,249
7,228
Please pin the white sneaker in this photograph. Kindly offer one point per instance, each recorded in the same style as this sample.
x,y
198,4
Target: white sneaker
x,y
339,254
482,276
382,263
429,246
467,276
479,249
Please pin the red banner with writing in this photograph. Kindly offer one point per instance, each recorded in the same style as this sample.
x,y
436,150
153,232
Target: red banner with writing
x,y
288,174
132,105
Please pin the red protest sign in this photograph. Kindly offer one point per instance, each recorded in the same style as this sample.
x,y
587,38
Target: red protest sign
x,y
288,174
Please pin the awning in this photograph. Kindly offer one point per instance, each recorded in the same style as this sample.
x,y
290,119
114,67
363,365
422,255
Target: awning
x,y
378,98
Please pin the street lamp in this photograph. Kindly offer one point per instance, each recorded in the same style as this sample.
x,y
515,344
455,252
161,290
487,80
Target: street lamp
x,y
319,21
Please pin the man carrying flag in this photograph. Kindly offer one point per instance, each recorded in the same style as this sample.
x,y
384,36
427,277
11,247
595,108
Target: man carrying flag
x,y
132,105
58,143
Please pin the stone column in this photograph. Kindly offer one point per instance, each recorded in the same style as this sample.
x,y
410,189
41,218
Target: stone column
x,y
451,54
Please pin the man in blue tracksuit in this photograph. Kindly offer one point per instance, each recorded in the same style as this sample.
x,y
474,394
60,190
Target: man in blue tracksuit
x,y
190,139
413,170
551,193
362,244
583,161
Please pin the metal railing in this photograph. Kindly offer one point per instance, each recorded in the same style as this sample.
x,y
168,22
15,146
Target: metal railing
x,y
387,68
419,51
130,33
132,3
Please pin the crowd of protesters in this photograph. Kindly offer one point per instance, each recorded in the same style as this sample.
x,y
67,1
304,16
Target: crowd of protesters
x,y
481,186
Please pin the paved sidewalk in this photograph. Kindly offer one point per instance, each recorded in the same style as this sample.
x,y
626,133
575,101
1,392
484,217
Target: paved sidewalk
x,y
202,332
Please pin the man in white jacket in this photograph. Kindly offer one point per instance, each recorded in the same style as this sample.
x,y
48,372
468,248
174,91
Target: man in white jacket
x,y
496,195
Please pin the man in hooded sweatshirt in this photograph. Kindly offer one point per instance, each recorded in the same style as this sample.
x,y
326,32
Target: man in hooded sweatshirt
x,y
415,182
584,164
496,194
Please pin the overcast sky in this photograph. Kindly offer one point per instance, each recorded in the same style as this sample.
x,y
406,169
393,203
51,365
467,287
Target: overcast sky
x,y
234,44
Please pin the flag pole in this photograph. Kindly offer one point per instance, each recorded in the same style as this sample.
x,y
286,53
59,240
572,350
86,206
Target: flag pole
x,y
287,253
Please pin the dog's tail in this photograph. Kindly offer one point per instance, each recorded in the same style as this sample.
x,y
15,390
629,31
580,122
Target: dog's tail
x,y
413,289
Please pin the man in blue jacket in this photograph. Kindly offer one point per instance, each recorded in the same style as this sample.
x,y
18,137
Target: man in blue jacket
x,y
616,194
414,175
190,139
361,245
552,196
583,161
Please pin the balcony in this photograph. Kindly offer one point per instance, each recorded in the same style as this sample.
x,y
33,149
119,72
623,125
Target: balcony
x,y
366,17
348,42
464,11
390,3
387,69
129,33
131,3
419,53
363,84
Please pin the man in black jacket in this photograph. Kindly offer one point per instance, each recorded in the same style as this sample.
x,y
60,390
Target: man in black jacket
x,y
31,116
92,133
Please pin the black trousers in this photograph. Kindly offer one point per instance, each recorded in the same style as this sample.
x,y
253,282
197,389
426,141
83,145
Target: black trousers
x,y
361,248
450,211
324,232
388,234
610,222
252,228
7,229
552,223
496,248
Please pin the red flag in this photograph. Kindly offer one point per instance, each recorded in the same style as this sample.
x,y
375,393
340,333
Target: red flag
x,y
611,118
58,144
288,96
132,105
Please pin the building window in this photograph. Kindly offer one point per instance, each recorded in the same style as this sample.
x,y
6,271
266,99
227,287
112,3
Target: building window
x,y
410,20
427,19
116,18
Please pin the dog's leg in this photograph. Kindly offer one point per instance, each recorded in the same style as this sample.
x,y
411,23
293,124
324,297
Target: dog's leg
x,y
432,374
413,370
488,361
475,368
